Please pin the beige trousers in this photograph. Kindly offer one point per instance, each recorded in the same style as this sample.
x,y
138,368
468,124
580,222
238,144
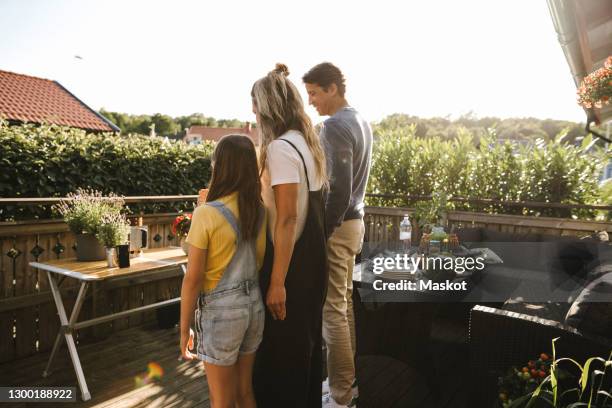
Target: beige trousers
x,y
338,318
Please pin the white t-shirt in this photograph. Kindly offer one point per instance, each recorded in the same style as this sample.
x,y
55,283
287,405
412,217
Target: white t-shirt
x,y
284,166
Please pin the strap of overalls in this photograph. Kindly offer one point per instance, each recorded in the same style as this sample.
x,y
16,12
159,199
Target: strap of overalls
x,y
301,157
229,216
231,219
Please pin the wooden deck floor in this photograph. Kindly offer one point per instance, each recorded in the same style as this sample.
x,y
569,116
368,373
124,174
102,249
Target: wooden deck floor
x,y
111,366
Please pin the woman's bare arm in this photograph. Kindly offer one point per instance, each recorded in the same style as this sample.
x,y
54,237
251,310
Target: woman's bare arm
x,y
285,197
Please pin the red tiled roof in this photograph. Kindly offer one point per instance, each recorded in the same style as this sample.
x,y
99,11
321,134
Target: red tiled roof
x,y
25,98
214,134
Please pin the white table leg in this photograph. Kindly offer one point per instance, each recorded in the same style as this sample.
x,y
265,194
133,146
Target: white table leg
x,y
66,331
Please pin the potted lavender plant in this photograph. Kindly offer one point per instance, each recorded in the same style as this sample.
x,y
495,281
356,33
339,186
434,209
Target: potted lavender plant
x,y
83,211
112,232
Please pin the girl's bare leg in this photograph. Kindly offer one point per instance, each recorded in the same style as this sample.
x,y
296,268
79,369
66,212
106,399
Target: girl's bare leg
x,y
222,385
246,397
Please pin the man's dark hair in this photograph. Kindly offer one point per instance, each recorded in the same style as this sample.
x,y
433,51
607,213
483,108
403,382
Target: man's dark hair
x,y
325,74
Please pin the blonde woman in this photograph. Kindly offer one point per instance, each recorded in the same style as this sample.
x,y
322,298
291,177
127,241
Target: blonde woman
x,y
288,366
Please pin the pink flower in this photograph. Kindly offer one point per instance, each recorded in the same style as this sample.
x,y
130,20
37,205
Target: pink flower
x,y
596,88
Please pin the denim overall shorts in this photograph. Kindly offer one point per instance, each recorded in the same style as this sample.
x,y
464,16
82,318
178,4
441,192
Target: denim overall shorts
x,y
229,319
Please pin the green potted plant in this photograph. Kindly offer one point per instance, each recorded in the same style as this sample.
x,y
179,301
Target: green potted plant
x,y
112,232
431,213
83,211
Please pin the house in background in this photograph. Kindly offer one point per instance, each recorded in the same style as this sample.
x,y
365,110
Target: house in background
x,y
28,99
195,135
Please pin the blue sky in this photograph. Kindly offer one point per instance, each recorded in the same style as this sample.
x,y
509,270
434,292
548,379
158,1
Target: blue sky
x,y
425,58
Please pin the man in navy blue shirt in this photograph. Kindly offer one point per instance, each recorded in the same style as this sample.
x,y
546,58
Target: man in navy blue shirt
x,y
347,140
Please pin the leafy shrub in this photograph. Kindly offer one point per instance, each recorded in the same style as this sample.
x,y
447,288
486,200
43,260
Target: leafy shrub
x,y
605,196
52,161
403,164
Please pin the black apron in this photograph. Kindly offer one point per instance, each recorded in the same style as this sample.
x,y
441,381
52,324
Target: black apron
x,y
289,363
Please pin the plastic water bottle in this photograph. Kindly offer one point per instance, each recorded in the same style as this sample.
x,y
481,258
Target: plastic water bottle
x,y
405,234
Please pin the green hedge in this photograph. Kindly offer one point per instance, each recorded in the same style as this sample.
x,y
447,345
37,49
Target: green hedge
x,y
51,161
404,164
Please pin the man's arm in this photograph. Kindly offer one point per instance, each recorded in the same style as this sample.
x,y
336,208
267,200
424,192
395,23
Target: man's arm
x,y
339,152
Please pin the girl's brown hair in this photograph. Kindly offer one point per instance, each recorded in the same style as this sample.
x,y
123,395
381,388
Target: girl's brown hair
x,y
235,169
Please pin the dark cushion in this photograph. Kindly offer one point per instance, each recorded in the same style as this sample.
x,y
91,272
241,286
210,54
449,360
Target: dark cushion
x,y
559,238
599,270
469,235
518,254
517,250
571,258
497,236
498,282
591,312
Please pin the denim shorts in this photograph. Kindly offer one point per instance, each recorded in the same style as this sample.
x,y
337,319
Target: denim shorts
x,y
229,322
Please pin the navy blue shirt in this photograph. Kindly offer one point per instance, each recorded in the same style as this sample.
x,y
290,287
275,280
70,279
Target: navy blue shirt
x,y
347,140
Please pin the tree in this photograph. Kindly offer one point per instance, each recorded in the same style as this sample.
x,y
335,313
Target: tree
x,y
165,125
519,129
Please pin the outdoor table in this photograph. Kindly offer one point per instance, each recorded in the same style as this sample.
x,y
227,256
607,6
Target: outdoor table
x,y
97,271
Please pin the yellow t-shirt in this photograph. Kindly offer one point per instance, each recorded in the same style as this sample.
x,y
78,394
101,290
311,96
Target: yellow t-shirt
x,y
210,230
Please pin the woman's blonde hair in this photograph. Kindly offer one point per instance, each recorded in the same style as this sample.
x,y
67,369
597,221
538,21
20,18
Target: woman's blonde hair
x,y
280,109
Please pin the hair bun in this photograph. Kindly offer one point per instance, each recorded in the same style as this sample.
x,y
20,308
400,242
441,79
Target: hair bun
x,y
281,69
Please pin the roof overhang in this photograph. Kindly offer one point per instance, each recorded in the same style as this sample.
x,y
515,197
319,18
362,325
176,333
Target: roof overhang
x,y
584,29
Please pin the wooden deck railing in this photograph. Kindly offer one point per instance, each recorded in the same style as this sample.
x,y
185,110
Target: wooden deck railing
x,y
28,320
382,223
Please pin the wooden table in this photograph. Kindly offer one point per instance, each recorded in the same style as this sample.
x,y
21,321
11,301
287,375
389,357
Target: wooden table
x,y
88,272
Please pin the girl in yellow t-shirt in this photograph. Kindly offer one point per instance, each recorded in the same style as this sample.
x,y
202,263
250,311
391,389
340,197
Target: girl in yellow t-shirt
x,y
227,244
